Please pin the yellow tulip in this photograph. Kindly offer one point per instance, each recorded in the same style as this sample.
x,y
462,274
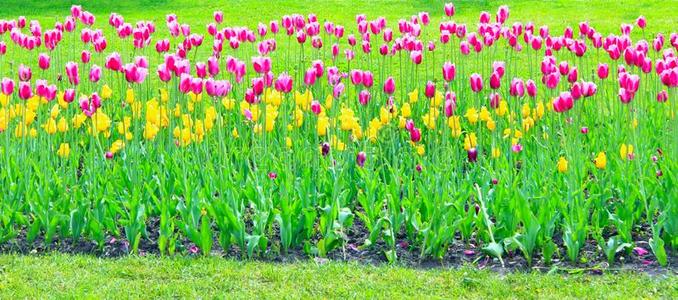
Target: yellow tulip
x,y
601,160
64,150
562,165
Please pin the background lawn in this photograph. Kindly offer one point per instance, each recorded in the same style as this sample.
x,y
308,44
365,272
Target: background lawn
x,y
601,14
62,276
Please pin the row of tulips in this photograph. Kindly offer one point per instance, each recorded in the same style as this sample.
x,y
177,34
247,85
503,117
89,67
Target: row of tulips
x,y
507,137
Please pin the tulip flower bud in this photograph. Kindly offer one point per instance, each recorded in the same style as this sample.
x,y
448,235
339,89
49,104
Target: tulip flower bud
x,y
472,155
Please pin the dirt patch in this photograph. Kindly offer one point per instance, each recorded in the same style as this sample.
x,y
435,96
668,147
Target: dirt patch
x,y
459,253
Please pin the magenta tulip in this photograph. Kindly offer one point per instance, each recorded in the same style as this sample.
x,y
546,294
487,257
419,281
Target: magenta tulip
x,y
449,71
43,61
389,86
7,86
430,90
364,97
94,73
25,91
476,82
361,158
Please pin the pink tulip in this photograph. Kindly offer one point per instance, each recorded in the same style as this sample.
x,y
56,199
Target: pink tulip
x,y
76,10
72,73
517,148
494,100
430,90
564,68
614,52
356,77
43,61
95,100
499,67
349,54
24,73
201,70
134,73
464,48
576,91
450,105
409,125
218,17
284,83
41,87
669,77
573,75
563,102
309,77
625,96
364,97
389,86
94,73
484,17
584,28
85,56
164,73
275,27
217,88
662,96
431,46
531,87
517,88
360,159
162,46
367,79
589,89
319,68
476,82
114,62
141,61
315,107
261,64
632,83
7,86
335,51
449,9
383,49
449,71
603,71
338,90
416,57
536,43
495,81
415,135
502,14
196,85
25,91
626,29
69,95
258,84
445,37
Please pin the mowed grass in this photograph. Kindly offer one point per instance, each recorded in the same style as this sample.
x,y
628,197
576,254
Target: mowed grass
x,y
63,276
602,15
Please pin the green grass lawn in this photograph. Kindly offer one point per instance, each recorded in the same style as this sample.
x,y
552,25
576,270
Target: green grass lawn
x,y
603,15
63,276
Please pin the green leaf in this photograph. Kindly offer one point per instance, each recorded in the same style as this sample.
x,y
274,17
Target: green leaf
x,y
494,250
